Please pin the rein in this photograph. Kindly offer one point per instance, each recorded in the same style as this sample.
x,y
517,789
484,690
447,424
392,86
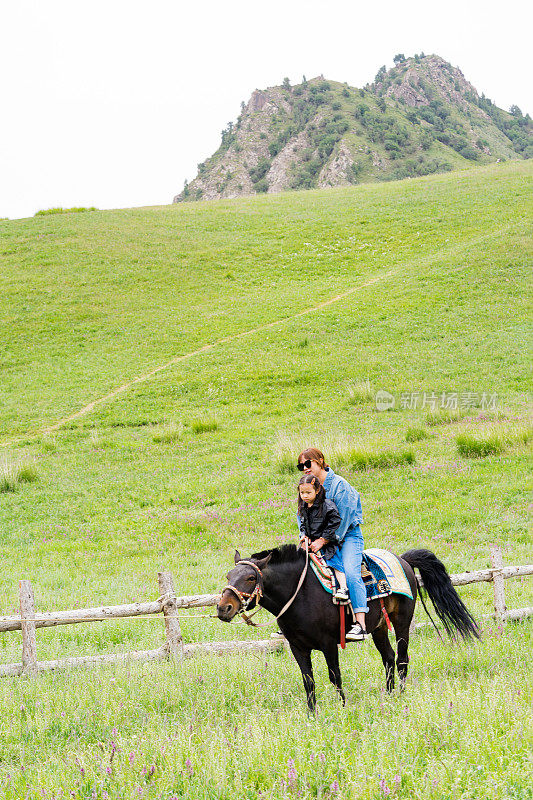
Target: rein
x,y
258,592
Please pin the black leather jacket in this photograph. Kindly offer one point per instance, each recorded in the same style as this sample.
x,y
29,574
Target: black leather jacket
x,y
321,521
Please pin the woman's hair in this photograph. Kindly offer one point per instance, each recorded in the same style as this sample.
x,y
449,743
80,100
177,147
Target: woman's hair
x,y
319,489
315,455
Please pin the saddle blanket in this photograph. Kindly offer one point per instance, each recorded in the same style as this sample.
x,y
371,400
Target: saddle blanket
x,y
381,571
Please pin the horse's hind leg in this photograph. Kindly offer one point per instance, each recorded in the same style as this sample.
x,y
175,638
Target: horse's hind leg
x,y
332,660
402,659
381,640
402,621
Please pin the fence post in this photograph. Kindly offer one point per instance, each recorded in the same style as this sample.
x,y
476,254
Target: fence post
x,y
27,619
496,560
174,641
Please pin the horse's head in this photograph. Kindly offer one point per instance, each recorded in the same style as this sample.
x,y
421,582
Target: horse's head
x,y
244,587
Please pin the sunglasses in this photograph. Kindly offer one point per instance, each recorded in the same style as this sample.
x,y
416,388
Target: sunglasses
x,y
304,465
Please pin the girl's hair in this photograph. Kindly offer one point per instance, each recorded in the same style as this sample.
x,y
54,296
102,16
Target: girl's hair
x,y
315,455
319,489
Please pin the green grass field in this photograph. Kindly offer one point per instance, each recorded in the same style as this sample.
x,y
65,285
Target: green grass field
x,y
181,467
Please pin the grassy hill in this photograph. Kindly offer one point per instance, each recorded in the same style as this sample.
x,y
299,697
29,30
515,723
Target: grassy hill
x,y
430,278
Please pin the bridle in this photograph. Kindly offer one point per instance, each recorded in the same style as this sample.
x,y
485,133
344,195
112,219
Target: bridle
x,y
245,598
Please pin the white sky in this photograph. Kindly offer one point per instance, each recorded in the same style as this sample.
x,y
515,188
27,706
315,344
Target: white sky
x,y
112,103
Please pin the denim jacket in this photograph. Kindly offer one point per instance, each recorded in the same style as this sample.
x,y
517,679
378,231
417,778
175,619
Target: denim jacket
x,y
348,502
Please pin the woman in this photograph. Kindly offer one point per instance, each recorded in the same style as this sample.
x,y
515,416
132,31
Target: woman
x,y
348,558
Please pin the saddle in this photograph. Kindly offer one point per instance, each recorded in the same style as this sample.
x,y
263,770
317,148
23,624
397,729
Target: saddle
x,y
381,571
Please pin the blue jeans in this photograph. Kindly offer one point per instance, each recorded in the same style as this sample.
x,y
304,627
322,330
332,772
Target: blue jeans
x,y
348,560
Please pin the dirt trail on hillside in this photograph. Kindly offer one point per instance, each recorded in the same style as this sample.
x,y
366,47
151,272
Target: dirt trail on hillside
x,y
147,375
176,360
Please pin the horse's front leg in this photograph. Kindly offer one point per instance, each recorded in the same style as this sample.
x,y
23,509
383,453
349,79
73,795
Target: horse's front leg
x,y
303,659
332,660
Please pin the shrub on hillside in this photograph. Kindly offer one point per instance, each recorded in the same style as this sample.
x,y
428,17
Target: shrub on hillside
x,y
361,392
27,474
173,432
444,416
8,478
469,152
471,447
59,210
11,474
258,172
416,434
204,425
362,459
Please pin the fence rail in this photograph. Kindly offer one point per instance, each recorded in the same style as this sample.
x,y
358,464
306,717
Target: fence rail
x,y
168,604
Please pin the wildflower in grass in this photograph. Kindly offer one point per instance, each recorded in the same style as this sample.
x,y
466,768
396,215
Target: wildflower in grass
x,y
292,775
397,780
189,766
322,758
131,758
383,786
334,788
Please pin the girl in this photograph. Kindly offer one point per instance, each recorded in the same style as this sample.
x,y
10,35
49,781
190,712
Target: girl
x,y
348,558
318,520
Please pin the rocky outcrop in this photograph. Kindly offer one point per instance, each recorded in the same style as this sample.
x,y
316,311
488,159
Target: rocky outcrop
x,y
280,173
411,81
420,116
338,170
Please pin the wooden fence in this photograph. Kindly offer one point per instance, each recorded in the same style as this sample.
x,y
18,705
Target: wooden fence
x,y
168,605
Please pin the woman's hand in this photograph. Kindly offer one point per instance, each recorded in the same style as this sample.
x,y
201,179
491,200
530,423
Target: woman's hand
x,y
317,544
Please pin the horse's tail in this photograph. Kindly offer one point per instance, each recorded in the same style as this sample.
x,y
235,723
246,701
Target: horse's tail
x,y
451,610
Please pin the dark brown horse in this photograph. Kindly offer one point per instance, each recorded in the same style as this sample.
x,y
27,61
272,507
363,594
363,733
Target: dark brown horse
x,y
312,621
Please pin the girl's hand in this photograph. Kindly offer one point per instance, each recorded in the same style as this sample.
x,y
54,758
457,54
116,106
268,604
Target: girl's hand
x,y
317,544
303,540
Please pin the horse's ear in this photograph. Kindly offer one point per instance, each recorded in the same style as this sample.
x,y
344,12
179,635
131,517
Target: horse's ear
x,y
263,562
237,557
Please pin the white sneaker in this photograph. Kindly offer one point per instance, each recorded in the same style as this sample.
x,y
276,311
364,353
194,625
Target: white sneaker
x,y
277,635
342,594
356,633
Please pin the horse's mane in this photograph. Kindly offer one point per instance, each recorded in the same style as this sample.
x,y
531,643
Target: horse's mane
x,y
286,554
